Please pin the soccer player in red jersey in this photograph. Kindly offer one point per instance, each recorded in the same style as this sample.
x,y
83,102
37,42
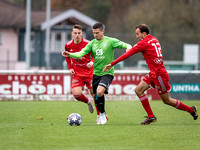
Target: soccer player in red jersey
x,y
80,69
157,78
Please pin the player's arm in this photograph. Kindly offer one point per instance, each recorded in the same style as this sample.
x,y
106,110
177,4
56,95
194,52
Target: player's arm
x,y
75,55
127,46
135,49
71,70
92,57
65,53
68,61
121,58
83,52
119,44
91,63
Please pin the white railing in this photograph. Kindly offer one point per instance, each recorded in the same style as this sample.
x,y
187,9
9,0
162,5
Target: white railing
x,y
116,71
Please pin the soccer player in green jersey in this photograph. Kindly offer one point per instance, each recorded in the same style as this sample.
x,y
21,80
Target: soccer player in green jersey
x,y
102,48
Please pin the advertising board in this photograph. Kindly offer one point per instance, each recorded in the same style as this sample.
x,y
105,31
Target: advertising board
x,y
58,87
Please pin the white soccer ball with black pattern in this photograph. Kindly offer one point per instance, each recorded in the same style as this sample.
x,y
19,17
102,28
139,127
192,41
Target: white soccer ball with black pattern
x,y
74,119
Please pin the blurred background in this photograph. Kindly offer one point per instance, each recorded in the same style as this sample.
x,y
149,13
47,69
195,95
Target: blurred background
x,y
174,23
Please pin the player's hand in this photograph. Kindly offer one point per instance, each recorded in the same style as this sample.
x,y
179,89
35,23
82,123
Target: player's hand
x,y
107,67
65,53
127,50
90,64
72,72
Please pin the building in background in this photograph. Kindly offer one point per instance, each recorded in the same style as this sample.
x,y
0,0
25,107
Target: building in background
x,y
12,35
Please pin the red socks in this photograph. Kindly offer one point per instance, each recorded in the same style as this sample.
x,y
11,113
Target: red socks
x,y
84,99
147,107
81,98
145,103
183,107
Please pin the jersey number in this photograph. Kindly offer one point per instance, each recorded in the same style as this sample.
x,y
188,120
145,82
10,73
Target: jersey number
x,y
158,49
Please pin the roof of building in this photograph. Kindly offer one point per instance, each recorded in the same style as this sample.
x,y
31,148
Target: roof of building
x,y
70,14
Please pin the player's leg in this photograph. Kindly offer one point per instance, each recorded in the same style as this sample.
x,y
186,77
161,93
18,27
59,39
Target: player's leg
x,y
139,90
101,98
101,101
90,105
98,113
166,98
77,93
94,97
95,83
101,88
164,87
77,86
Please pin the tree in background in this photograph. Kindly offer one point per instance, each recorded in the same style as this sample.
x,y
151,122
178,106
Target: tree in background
x,y
98,9
166,16
173,22
35,4
79,5
118,11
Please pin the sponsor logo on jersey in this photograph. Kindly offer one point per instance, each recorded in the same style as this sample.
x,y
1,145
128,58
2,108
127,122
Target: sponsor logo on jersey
x,y
104,44
99,52
94,46
158,60
74,81
100,57
79,59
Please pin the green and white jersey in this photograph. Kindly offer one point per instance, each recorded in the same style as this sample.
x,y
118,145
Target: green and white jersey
x,y
103,53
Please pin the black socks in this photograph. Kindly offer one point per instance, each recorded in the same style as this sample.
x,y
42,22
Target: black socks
x,y
100,103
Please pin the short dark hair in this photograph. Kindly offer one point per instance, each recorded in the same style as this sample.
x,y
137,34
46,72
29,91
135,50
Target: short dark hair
x,y
77,26
98,25
143,28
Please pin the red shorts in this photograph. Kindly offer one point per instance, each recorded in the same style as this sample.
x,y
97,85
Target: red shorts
x,y
81,81
160,83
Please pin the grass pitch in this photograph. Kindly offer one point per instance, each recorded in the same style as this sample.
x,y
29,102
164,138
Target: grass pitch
x,y
43,126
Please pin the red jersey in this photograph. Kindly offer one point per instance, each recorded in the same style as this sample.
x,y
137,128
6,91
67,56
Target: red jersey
x,y
151,51
79,64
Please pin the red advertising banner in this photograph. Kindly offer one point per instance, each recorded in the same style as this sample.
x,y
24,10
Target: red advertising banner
x,y
58,87
39,86
123,86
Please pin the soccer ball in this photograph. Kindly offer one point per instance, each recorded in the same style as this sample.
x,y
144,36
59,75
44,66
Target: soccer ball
x,y
74,119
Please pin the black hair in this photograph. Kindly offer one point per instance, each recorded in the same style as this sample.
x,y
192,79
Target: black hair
x,y
77,26
98,25
143,28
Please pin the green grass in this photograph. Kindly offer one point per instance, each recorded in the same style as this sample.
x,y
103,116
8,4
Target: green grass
x,y
43,126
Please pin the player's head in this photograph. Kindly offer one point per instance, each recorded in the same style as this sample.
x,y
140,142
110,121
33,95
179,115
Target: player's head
x,y
141,31
98,30
77,33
